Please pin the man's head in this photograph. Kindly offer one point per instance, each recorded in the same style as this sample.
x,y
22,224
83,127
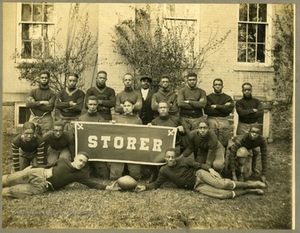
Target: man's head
x,y
128,106
241,155
203,128
254,131
145,82
92,104
80,160
58,128
170,157
72,80
44,78
101,78
128,80
164,82
192,80
28,131
247,90
163,108
218,85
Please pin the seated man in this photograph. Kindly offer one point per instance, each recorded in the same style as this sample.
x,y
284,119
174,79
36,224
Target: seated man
x,y
239,154
33,181
92,114
60,143
210,150
128,117
185,174
27,148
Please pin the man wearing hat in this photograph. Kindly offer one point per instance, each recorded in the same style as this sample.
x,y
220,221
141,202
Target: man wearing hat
x,y
146,114
240,159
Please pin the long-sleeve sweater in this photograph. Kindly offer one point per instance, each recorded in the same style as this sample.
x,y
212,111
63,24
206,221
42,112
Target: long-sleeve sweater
x,y
34,148
132,95
128,119
91,117
41,94
107,100
65,141
219,100
182,174
197,101
63,99
244,108
208,143
63,173
245,141
168,96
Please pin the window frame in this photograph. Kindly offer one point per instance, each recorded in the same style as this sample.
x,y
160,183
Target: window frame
x,y
166,16
268,39
19,29
18,105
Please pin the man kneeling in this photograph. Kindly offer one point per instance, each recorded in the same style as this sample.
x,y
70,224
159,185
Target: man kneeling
x,y
33,181
192,175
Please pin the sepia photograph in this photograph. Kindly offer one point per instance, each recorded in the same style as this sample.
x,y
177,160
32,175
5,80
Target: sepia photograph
x,y
148,116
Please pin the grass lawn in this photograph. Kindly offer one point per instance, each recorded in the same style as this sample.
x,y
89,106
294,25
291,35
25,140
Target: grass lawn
x,y
166,208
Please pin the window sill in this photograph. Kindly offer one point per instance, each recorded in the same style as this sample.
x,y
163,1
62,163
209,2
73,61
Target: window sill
x,y
253,68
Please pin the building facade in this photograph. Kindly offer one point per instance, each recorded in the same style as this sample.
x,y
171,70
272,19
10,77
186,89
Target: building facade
x,y
243,57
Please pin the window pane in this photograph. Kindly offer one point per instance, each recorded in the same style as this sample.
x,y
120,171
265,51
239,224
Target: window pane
x,y
37,47
24,114
26,31
243,12
242,32
26,50
48,31
252,33
242,52
262,13
253,12
251,53
26,12
37,32
261,53
37,12
261,33
48,17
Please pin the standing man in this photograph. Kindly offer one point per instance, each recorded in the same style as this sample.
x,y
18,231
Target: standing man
x,y
41,101
191,100
165,94
250,110
116,169
70,101
128,94
146,113
106,96
60,143
219,106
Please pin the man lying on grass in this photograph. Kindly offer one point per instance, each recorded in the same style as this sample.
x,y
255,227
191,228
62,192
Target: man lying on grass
x,y
189,174
33,181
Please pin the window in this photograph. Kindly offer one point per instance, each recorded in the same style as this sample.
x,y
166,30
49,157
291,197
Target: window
x,y
252,30
22,114
36,27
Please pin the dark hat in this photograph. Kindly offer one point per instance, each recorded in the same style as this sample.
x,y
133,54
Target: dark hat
x,y
146,77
